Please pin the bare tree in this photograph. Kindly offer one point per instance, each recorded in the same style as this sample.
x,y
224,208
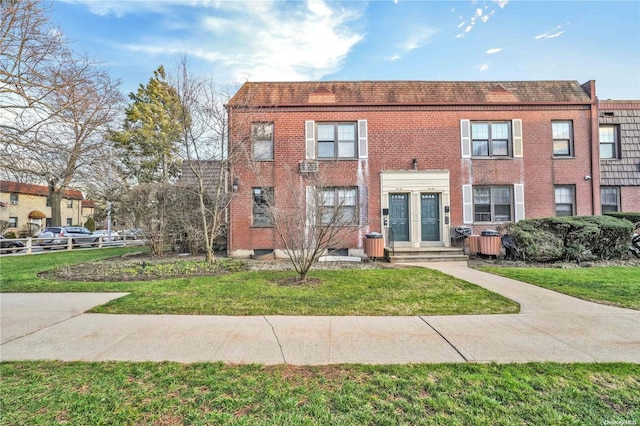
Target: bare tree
x,y
205,153
311,217
30,48
56,105
148,206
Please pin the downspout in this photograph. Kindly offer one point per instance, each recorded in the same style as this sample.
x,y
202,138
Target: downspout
x,y
226,186
594,150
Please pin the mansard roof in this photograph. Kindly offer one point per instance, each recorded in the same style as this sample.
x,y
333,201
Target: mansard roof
x,y
266,94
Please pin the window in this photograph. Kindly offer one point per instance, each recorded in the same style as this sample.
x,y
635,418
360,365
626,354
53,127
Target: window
x,y
13,222
262,199
69,221
339,206
262,135
13,197
562,138
47,222
565,200
490,139
492,203
610,199
70,204
608,142
48,201
337,140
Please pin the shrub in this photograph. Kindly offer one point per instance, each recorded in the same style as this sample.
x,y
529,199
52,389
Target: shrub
x,y
10,235
90,224
571,238
633,217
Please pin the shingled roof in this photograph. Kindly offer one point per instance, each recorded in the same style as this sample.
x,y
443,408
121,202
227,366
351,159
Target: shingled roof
x,y
409,93
29,189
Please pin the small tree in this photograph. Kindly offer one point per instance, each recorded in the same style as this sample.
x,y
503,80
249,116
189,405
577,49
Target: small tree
x,y
148,207
90,224
312,217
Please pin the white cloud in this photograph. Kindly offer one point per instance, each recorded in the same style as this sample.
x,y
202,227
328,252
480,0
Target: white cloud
x,y
491,51
480,14
483,67
394,58
553,33
270,41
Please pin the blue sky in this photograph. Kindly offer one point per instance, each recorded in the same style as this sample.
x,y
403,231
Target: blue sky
x,y
235,41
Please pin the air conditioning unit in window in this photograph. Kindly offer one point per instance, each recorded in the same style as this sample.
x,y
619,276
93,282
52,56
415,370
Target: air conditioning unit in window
x,y
308,167
14,202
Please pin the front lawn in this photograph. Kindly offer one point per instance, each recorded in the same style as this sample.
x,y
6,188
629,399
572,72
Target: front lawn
x,y
77,393
618,286
410,291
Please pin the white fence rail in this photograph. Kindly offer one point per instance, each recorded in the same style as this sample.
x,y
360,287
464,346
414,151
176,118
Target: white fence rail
x,y
40,245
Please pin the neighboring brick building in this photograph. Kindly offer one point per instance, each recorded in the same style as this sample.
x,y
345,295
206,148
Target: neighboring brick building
x,y
23,204
620,155
431,155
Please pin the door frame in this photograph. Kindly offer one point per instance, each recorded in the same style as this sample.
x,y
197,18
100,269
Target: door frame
x,y
414,183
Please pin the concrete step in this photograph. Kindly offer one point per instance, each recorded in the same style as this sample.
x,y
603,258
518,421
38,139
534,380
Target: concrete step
x,y
425,254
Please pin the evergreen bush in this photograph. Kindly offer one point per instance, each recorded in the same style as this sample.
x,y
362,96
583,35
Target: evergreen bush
x,y
90,224
571,238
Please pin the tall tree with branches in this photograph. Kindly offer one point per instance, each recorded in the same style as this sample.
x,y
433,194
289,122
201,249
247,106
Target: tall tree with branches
x,y
149,141
56,105
205,152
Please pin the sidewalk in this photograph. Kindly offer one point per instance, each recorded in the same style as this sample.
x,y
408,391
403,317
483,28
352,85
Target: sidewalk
x,y
550,327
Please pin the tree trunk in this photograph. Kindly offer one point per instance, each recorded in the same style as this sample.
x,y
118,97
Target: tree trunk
x,y
55,198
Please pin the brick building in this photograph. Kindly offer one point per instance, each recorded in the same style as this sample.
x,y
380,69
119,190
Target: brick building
x,y
415,157
620,155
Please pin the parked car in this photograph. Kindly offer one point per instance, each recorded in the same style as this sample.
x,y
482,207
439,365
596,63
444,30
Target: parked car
x,y
58,236
10,246
106,236
133,233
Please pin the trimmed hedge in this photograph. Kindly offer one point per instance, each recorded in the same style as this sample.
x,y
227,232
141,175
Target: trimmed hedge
x,y
571,238
633,217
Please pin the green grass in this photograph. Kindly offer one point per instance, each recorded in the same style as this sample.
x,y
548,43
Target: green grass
x,y
114,393
617,286
411,291
21,271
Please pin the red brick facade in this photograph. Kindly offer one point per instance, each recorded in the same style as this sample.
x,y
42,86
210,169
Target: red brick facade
x,y
425,121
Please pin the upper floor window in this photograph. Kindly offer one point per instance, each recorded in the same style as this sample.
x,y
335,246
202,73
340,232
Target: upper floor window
x,y
562,138
336,140
610,198
492,203
490,139
565,200
48,201
609,142
262,201
339,206
262,137
13,197
70,204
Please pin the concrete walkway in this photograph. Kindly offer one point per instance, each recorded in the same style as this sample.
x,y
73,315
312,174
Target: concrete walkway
x,y
550,327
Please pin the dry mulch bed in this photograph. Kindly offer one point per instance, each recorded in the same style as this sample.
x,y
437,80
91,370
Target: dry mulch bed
x,y
144,267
